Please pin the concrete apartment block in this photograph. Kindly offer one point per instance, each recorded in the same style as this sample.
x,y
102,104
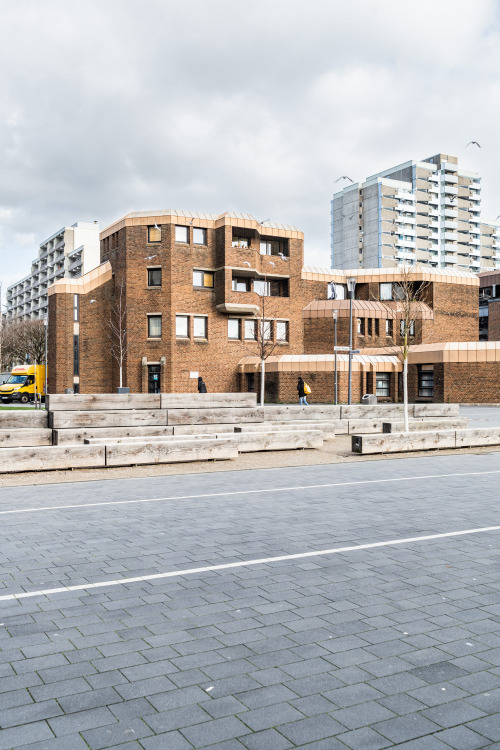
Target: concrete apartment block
x,y
420,212
68,253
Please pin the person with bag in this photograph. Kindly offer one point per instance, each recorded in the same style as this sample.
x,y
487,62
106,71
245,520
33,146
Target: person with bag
x,y
202,388
303,390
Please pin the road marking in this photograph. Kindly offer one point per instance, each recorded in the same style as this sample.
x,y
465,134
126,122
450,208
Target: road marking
x,y
245,492
242,564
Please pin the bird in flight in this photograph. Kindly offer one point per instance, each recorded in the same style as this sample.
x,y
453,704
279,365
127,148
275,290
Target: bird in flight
x,y
345,216
150,257
498,217
474,143
344,177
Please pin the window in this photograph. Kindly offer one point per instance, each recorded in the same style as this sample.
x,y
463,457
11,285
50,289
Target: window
x,y
267,330
182,234
383,384
282,331
388,327
154,326
76,308
276,288
241,284
385,291
203,279
182,326
360,327
250,330
199,236
336,291
234,328
154,234
411,328
154,276
76,355
240,242
369,328
200,327
263,288
376,323
270,246
426,381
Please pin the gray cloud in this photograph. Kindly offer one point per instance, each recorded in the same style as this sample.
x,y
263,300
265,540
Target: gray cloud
x,y
213,105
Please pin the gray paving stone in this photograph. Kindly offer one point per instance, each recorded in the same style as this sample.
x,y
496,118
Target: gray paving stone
x,y
349,696
166,741
74,723
461,738
270,716
489,727
311,729
37,731
72,742
364,739
107,736
439,672
266,696
404,728
216,731
30,712
451,714
178,718
265,740
362,715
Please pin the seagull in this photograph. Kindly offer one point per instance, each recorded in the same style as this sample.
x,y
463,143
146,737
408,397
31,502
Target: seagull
x,y
150,257
474,143
345,216
344,177
283,257
157,227
93,300
265,221
498,217
246,263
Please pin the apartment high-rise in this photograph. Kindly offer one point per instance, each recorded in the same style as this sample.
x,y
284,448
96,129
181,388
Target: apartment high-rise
x,y
426,212
70,252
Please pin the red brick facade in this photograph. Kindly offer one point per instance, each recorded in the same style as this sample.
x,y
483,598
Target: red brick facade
x,y
227,252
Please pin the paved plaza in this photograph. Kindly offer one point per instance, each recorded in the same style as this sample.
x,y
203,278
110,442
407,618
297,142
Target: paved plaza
x,y
365,648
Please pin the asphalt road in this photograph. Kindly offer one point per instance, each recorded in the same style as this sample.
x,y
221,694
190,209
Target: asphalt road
x,y
367,648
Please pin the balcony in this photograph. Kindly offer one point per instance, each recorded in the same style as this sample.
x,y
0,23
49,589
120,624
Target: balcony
x,y
451,225
449,190
451,179
405,220
474,197
433,189
450,258
451,213
76,263
404,196
451,236
405,207
405,243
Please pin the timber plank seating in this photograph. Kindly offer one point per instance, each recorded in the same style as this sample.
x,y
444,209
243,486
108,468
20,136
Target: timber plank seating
x,y
167,452
23,419
118,418
25,438
68,436
446,423
401,442
51,457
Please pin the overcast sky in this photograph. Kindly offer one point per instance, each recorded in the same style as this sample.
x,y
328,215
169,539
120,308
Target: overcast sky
x,y
111,106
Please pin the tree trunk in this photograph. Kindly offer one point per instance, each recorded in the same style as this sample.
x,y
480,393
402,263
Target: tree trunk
x,y
405,394
262,378
121,376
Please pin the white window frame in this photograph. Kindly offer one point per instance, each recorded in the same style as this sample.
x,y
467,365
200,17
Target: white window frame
x,y
181,229
178,319
197,319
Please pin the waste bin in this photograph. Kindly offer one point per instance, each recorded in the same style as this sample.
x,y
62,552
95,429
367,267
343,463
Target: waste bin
x,y
369,398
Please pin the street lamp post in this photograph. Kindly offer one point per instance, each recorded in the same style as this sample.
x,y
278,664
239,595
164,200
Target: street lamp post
x,y
351,285
335,314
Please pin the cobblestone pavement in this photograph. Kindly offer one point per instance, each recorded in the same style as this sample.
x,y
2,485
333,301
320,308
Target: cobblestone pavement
x,y
364,649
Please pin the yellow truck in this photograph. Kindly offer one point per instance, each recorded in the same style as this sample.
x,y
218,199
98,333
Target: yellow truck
x,y
24,382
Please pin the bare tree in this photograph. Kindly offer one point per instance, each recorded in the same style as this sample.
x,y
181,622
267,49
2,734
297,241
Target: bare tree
x,y
117,330
410,293
266,343
23,340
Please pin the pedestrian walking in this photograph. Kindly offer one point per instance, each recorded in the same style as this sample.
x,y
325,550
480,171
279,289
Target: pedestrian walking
x,y
202,388
301,390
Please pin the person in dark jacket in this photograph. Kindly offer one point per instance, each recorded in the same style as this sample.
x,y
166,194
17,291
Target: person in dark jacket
x,y
301,392
202,388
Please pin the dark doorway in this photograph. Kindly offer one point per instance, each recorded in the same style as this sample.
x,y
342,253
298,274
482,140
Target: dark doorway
x,y
154,378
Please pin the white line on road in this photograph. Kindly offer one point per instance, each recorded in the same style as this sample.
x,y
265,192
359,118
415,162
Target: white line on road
x,y
242,564
246,492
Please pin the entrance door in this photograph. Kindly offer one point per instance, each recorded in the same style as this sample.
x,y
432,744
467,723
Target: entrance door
x,y
154,383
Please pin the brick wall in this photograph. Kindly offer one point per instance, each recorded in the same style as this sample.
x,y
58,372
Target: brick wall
x,y
494,321
60,343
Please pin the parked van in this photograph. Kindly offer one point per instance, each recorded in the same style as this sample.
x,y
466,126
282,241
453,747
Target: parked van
x,y
21,384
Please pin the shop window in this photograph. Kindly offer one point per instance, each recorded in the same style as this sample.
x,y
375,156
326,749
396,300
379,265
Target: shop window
x,y
154,276
182,234
388,327
203,279
234,329
426,381
182,326
154,326
200,327
199,236
243,242
154,234
337,291
383,384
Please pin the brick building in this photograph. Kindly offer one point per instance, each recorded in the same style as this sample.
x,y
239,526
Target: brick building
x,y
489,306
203,294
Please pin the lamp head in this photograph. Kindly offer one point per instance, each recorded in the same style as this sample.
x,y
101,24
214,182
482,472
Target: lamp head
x,y
351,284
335,314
